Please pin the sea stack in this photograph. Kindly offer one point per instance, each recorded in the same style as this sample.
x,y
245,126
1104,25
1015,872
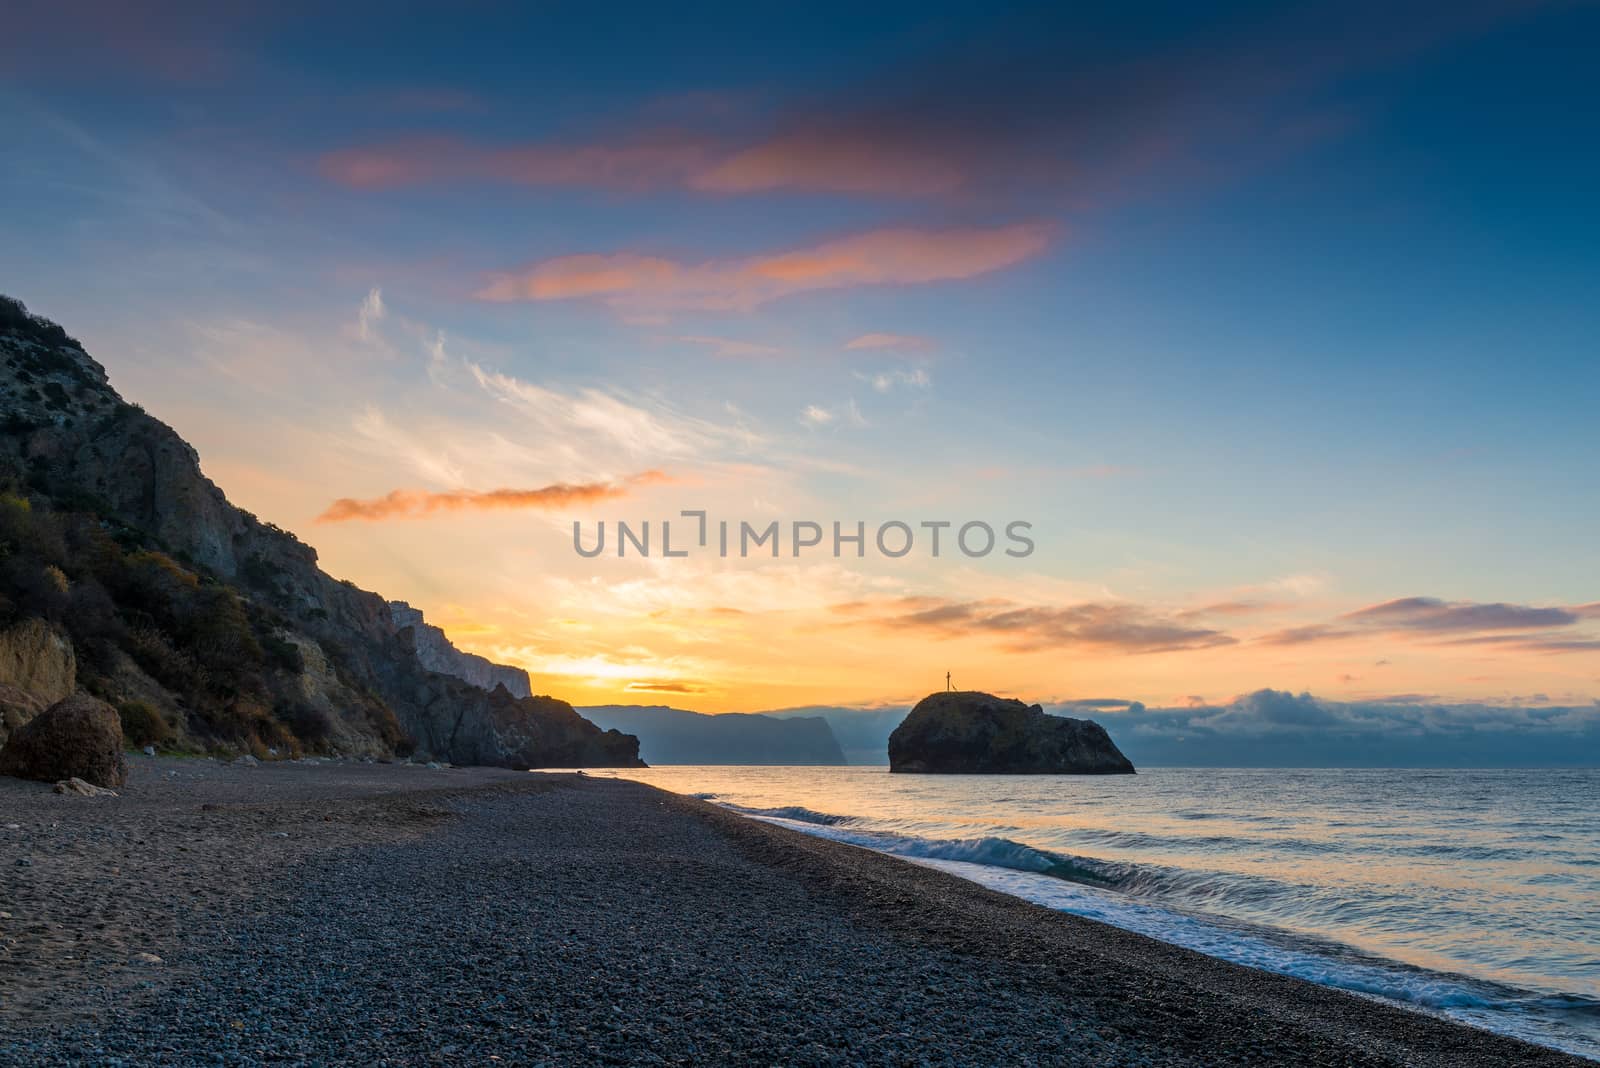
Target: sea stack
x,y
964,732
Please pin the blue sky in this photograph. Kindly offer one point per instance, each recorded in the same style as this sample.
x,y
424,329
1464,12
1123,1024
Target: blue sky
x,y
1292,307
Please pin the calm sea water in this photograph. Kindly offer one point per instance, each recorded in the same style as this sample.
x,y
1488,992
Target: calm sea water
x,y
1474,894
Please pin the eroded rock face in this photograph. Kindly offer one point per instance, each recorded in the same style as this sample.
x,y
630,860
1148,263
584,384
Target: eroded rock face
x,y
37,667
79,737
966,732
438,653
38,658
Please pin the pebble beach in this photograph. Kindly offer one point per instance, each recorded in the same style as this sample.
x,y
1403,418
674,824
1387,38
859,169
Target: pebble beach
x,y
353,913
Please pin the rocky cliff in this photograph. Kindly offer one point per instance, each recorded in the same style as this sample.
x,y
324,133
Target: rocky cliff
x,y
223,625
966,732
437,653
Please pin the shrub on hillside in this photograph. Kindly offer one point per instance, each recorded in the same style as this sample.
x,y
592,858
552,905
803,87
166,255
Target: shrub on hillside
x,y
143,724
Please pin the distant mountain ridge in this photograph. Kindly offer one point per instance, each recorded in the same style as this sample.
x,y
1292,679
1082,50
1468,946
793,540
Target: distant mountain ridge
x,y
678,736
863,733
208,627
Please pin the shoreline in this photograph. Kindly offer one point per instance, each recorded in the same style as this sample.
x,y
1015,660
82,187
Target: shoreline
x,y
349,911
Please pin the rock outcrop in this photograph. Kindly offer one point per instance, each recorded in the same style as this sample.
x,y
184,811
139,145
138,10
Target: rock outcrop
x,y
76,738
37,657
437,653
966,732
677,736
296,656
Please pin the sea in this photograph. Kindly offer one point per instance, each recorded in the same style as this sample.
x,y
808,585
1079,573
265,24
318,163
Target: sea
x,y
1471,894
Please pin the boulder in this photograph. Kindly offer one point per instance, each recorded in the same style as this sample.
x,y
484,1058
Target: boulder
x,y
79,737
966,732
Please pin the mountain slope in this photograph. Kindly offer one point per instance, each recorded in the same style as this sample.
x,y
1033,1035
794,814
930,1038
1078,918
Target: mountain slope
x,y
222,626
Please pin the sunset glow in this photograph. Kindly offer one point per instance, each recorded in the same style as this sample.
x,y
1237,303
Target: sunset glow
x,y
1278,414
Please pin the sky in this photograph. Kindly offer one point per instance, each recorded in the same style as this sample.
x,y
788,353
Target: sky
x,y
1276,323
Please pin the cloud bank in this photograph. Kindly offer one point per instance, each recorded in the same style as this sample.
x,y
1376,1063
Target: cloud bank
x,y
1277,728
1431,620
1023,628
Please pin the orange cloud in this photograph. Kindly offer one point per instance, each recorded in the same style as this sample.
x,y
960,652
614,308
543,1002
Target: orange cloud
x,y
419,504
842,161
876,257
667,686
839,161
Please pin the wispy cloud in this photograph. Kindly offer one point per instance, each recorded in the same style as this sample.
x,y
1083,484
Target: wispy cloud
x,y
605,418
876,257
889,341
846,414
886,381
1032,628
1432,614
1438,622
420,504
371,314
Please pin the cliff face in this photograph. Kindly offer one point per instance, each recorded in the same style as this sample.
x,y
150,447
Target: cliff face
x,y
966,732
37,657
37,669
676,736
137,535
437,653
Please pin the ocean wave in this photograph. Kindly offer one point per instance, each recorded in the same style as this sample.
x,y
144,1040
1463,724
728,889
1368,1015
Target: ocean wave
x,y
1384,909
796,813
988,851
1197,889
1089,888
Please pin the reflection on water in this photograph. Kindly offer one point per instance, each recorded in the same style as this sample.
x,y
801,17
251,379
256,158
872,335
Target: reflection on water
x,y
1491,876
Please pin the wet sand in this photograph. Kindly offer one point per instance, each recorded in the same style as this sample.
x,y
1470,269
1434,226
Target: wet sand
x,y
353,913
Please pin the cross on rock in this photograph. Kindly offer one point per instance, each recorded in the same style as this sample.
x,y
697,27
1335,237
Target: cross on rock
x,y
947,685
